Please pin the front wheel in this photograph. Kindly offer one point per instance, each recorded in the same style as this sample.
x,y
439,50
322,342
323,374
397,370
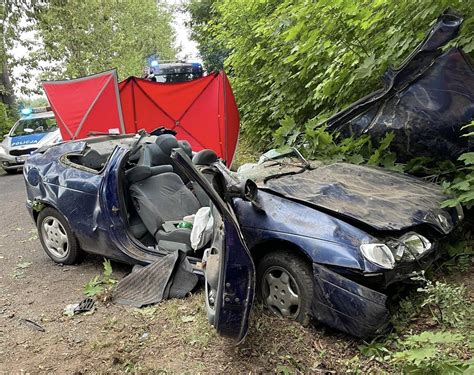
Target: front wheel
x,y
57,238
285,285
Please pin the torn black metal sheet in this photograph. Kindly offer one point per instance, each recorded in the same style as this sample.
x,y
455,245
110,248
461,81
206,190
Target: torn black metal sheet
x,y
425,102
376,197
169,277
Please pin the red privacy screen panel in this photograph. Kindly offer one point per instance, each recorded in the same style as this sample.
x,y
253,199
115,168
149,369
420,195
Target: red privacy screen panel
x,y
86,106
202,111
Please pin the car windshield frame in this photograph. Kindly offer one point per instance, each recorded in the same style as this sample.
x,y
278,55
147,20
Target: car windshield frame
x,y
37,125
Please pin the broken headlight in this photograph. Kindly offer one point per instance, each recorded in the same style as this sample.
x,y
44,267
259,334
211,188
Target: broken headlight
x,y
410,246
379,254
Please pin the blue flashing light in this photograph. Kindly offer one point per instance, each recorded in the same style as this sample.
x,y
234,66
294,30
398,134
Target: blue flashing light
x,y
196,66
26,111
154,63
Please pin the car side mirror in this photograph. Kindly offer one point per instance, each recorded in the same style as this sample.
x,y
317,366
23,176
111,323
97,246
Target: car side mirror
x,y
247,190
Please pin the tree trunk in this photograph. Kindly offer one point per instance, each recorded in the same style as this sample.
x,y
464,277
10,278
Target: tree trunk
x,y
7,95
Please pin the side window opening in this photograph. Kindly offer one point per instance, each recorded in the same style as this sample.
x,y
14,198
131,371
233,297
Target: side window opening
x,y
90,159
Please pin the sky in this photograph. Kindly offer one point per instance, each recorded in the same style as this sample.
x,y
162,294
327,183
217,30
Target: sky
x,y
187,48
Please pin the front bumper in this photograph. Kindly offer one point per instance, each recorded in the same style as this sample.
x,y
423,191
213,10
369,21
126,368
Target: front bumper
x,y
11,162
352,304
348,306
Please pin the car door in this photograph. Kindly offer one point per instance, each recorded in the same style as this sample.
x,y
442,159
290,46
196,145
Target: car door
x,y
228,267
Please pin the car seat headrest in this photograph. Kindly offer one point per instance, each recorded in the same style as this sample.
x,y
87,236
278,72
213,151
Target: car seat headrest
x,y
167,143
205,157
186,147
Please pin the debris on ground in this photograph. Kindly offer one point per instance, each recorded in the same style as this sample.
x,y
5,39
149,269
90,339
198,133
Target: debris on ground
x,y
32,325
86,306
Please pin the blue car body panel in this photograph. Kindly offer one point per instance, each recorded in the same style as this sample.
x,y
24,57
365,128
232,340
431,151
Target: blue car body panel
x,y
323,238
425,102
346,305
237,271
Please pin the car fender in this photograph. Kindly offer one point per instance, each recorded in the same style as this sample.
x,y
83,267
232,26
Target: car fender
x,y
348,306
323,238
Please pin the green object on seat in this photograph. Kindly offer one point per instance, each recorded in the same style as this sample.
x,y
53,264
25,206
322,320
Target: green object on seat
x,y
185,224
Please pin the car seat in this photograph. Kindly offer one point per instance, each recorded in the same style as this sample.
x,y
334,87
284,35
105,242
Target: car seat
x,y
159,153
162,201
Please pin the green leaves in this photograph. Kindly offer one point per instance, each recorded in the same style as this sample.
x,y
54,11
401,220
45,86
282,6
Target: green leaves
x,y
82,37
462,187
93,287
99,284
438,352
467,158
293,63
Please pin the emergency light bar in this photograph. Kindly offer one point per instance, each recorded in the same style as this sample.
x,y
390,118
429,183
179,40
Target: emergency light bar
x,y
28,111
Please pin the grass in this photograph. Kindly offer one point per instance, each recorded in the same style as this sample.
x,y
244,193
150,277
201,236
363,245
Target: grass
x,y
174,336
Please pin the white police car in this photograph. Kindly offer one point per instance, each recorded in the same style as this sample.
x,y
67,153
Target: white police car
x,y
36,128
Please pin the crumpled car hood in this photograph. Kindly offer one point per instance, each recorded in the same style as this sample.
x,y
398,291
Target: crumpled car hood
x,y
378,198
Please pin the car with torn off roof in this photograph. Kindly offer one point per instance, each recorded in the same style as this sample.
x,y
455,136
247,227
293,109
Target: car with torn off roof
x,y
309,240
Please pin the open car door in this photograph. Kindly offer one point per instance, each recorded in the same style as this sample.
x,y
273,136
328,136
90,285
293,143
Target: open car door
x,y
228,267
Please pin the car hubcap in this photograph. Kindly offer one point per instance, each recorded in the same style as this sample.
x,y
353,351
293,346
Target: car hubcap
x,y
281,293
55,237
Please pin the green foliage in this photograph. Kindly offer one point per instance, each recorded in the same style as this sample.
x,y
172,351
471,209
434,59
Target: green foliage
x,y
438,352
211,50
307,60
81,37
408,311
292,64
37,206
446,302
6,120
460,252
93,287
100,284
446,350
318,143
462,186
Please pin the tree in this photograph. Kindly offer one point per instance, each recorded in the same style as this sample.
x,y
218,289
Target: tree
x,y
9,20
212,52
299,61
81,37
11,12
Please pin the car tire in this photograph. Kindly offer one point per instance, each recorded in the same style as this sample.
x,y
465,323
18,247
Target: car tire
x,y
57,238
11,171
290,279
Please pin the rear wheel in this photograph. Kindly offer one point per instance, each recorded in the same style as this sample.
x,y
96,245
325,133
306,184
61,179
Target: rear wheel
x,y
285,285
57,238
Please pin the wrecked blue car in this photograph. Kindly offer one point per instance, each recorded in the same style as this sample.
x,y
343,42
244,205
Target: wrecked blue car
x,y
310,240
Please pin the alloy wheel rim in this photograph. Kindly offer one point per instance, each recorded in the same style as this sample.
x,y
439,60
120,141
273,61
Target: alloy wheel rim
x,y
281,293
55,237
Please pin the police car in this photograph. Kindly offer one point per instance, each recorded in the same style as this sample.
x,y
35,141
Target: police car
x,y
36,128
170,71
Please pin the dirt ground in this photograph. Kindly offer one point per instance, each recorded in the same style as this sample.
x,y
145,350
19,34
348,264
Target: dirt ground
x,y
172,337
